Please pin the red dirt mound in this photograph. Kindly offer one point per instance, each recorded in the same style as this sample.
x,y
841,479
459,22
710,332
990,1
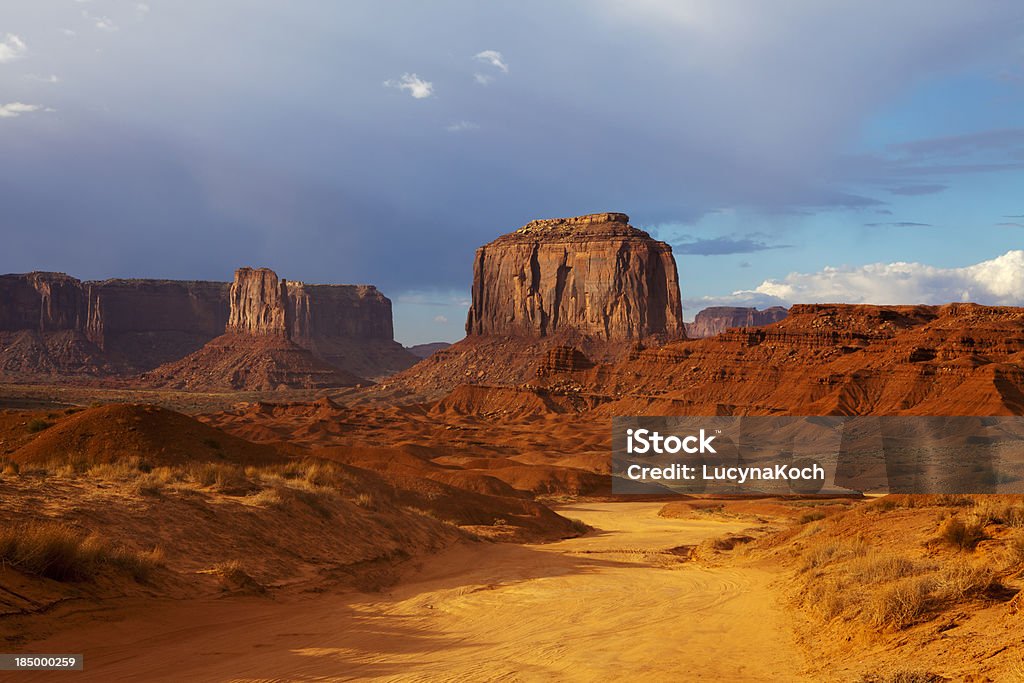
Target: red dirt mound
x,y
156,435
250,363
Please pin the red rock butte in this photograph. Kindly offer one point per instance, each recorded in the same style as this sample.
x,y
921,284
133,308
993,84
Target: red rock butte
x,y
596,275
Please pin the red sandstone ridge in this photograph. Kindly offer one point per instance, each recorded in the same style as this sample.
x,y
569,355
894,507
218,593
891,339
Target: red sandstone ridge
x,y
595,275
256,353
54,326
556,294
718,319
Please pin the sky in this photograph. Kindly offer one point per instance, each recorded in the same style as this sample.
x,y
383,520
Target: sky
x,y
792,151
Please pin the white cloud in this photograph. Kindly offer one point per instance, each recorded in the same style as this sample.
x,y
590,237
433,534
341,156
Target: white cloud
x,y
460,126
440,319
13,109
482,79
998,281
416,86
52,78
104,24
68,32
492,57
142,9
11,48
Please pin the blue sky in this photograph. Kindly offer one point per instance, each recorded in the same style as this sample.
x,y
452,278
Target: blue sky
x,y
789,151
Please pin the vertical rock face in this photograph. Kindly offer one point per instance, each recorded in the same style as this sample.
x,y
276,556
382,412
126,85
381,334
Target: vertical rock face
x,y
51,323
143,323
594,274
42,302
257,299
717,319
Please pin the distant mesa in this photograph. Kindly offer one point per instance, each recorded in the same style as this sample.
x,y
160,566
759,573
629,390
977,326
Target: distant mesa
x,y
428,349
594,275
54,325
717,319
557,296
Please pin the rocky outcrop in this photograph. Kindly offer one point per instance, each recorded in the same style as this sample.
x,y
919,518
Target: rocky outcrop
x,y
595,275
718,319
258,303
141,324
563,359
55,324
41,302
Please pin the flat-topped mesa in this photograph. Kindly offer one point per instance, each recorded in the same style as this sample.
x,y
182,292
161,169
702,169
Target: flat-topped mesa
x,y
718,319
258,303
42,302
595,275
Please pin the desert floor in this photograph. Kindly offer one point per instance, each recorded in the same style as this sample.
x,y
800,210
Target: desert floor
x,y
620,602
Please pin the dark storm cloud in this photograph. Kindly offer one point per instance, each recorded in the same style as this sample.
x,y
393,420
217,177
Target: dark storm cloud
x,y
267,138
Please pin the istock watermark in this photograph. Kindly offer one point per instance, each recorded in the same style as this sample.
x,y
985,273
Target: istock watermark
x,y
828,455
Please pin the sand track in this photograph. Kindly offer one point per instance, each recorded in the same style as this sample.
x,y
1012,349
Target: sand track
x,y
612,605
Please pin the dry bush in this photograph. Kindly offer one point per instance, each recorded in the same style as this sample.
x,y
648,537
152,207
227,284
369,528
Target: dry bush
x,y
268,498
878,569
223,477
366,500
961,580
900,604
832,551
1016,547
58,552
1002,513
959,534
36,425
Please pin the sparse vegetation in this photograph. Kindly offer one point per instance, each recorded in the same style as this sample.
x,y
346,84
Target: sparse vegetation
x,y
579,526
963,535
59,552
36,425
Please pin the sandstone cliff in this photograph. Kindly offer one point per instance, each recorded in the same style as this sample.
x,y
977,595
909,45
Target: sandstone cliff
x,y
595,275
718,319
53,324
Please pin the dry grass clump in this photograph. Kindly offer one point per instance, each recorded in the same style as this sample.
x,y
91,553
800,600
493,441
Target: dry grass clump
x,y
61,553
960,534
266,498
895,501
833,551
901,603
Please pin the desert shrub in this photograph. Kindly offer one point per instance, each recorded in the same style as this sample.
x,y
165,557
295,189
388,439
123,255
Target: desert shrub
x,y
879,569
959,534
961,580
221,476
58,552
1016,548
900,604
269,498
578,526
139,563
809,517
36,425
366,500
833,551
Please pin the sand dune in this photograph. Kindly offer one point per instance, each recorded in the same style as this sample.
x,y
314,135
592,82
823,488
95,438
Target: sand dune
x,y
616,603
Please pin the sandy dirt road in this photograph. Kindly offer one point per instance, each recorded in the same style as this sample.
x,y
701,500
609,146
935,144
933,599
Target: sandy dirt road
x,y
613,605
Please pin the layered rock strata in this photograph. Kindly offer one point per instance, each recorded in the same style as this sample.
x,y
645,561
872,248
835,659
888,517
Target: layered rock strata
x,y
718,319
595,275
